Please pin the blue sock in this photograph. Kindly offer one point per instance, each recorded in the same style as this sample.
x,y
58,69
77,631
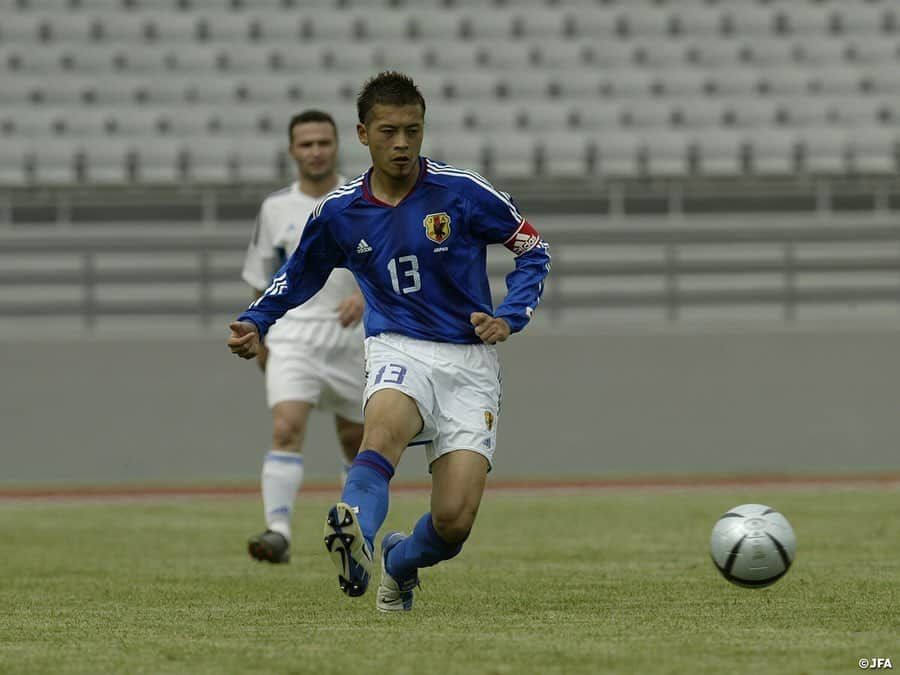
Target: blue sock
x,y
423,548
367,488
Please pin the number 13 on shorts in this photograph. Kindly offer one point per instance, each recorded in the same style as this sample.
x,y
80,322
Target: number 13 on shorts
x,y
391,373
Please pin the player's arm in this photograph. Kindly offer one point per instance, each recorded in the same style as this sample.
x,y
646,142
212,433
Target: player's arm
x,y
300,278
496,220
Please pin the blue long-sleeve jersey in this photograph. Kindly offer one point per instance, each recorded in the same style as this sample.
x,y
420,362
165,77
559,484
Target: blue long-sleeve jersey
x,y
420,264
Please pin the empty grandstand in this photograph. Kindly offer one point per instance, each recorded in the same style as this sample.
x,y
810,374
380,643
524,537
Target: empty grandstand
x,y
710,155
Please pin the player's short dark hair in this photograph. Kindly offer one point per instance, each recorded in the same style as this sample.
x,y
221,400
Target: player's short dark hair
x,y
388,88
310,116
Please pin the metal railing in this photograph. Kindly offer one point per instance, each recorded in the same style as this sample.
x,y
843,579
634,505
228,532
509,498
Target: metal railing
x,y
781,277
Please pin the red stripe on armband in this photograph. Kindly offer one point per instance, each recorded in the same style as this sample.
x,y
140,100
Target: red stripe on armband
x,y
524,239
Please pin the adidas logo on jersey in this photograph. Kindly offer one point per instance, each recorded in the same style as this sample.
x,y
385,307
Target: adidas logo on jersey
x,y
363,247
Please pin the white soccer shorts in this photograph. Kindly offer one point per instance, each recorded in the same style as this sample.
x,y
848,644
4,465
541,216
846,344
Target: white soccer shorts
x,y
329,374
456,388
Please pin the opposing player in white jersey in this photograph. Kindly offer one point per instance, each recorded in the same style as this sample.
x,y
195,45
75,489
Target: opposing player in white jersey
x,y
313,355
415,234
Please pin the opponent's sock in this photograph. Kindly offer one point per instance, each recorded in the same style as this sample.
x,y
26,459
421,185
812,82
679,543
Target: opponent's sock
x,y
282,474
367,489
423,548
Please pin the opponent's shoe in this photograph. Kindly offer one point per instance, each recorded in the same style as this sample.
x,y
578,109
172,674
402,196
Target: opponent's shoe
x,y
270,546
348,548
394,594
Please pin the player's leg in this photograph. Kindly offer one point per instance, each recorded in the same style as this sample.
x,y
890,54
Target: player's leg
x,y
458,480
392,419
280,480
350,435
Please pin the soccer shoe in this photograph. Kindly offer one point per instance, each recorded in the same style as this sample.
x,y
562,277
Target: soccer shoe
x,y
394,595
270,546
348,549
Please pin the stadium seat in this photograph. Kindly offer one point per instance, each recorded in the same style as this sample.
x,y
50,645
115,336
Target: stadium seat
x,y
600,116
469,85
466,151
883,79
336,28
714,53
55,161
454,55
873,151
749,19
26,60
106,162
685,83
639,20
786,81
257,160
511,155
669,55
486,25
599,24
628,83
159,161
543,24
617,154
565,154
188,121
821,53
719,152
82,123
251,59
547,116
354,158
26,121
859,19
564,54
824,150
23,28
697,21
647,114
200,59
666,153
353,58
874,50
431,25
772,152
804,18
171,28
838,81
734,82
14,162
209,162
126,28
496,117
804,111
510,55
408,58
229,28
118,89
386,26
447,117
136,123
698,113
525,84
279,29
862,112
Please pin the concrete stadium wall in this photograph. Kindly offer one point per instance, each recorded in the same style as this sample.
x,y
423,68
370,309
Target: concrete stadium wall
x,y
591,402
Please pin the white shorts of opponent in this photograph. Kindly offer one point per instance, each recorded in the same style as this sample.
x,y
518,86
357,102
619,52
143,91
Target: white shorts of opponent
x,y
325,367
456,388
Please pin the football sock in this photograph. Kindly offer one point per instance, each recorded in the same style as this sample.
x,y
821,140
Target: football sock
x,y
345,469
367,489
282,474
423,548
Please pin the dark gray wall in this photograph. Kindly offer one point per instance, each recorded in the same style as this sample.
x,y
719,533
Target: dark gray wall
x,y
668,400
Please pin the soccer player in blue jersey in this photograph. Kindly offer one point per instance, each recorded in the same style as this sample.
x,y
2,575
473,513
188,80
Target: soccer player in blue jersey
x,y
414,232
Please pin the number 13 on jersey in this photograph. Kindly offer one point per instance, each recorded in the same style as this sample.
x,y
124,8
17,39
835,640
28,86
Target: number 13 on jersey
x,y
408,266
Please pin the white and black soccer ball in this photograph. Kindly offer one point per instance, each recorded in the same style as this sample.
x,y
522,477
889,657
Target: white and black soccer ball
x,y
753,545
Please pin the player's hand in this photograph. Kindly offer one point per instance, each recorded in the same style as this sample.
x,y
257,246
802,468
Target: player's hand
x,y
489,329
350,310
244,339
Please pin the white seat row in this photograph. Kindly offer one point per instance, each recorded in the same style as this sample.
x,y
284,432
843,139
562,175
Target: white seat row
x,y
819,151
467,23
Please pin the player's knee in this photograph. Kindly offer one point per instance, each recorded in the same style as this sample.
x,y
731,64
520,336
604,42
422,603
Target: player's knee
x,y
287,433
382,438
453,524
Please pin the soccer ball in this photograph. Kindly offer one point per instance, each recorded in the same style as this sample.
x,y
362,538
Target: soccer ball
x,y
753,545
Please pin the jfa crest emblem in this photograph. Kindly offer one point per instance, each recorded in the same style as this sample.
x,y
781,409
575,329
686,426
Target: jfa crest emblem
x,y
437,227
489,419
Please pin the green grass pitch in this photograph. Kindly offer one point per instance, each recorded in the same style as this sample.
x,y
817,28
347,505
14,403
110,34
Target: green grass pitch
x,y
613,581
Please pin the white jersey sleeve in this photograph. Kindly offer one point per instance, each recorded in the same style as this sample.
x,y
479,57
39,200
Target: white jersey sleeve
x,y
260,261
